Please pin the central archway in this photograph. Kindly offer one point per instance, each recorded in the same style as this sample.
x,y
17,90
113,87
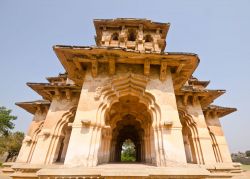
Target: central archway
x,y
129,111
129,119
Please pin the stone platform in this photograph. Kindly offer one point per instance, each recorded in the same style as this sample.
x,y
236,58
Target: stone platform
x,y
114,170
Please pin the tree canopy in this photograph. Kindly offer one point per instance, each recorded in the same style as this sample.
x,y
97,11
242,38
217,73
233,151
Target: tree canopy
x,y
10,142
248,153
128,153
6,121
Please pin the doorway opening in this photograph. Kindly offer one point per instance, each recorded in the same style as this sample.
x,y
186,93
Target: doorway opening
x,y
131,125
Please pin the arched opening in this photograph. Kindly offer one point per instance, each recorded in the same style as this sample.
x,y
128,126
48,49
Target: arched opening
x,y
131,35
190,139
35,136
128,118
128,128
115,36
128,151
189,145
63,142
148,38
215,146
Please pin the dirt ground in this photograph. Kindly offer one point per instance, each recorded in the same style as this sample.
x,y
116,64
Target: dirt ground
x,y
243,175
2,176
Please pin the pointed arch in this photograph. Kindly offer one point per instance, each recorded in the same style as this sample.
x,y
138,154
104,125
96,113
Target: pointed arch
x,y
34,141
60,138
215,146
135,86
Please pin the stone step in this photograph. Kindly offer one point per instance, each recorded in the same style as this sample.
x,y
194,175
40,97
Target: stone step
x,y
7,170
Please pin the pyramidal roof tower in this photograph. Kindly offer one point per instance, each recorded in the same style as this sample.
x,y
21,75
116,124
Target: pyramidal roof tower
x,y
126,88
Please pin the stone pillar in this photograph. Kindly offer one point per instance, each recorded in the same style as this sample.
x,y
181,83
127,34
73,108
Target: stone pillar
x,y
213,122
104,151
47,142
168,128
86,132
30,140
196,112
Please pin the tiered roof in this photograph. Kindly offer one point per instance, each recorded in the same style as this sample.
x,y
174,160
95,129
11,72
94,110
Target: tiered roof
x,y
75,60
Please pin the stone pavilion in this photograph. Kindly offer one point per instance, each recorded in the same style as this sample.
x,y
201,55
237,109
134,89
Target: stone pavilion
x,y
125,87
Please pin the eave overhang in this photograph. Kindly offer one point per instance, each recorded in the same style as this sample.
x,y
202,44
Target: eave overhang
x,y
205,96
61,78
73,58
47,90
221,111
194,81
32,106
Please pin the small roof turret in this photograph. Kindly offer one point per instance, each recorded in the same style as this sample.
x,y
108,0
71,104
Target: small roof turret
x,y
136,34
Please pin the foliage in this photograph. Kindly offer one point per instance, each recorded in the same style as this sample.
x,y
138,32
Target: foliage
x,y
128,153
11,143
248,153
6,121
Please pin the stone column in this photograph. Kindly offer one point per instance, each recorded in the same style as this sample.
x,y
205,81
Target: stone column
x,y
213,122
45,150
86,132
196,112
168,128
106,146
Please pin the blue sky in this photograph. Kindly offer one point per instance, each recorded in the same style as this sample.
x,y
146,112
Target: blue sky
x,y
218,31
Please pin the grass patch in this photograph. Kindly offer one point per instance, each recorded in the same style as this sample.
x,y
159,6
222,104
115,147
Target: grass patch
x,y
245,167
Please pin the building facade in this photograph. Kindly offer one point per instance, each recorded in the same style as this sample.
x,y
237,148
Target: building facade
x,y
125,87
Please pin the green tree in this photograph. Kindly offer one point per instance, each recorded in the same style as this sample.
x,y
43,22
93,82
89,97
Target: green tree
x,y
128,153
248,153
6,121
11,143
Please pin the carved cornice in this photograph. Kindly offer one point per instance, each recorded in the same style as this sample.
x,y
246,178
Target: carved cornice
x,y
204,96
49,91
77,60
217,111
35,106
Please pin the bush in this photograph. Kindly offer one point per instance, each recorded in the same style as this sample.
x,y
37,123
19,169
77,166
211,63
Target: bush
x,y
248,153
